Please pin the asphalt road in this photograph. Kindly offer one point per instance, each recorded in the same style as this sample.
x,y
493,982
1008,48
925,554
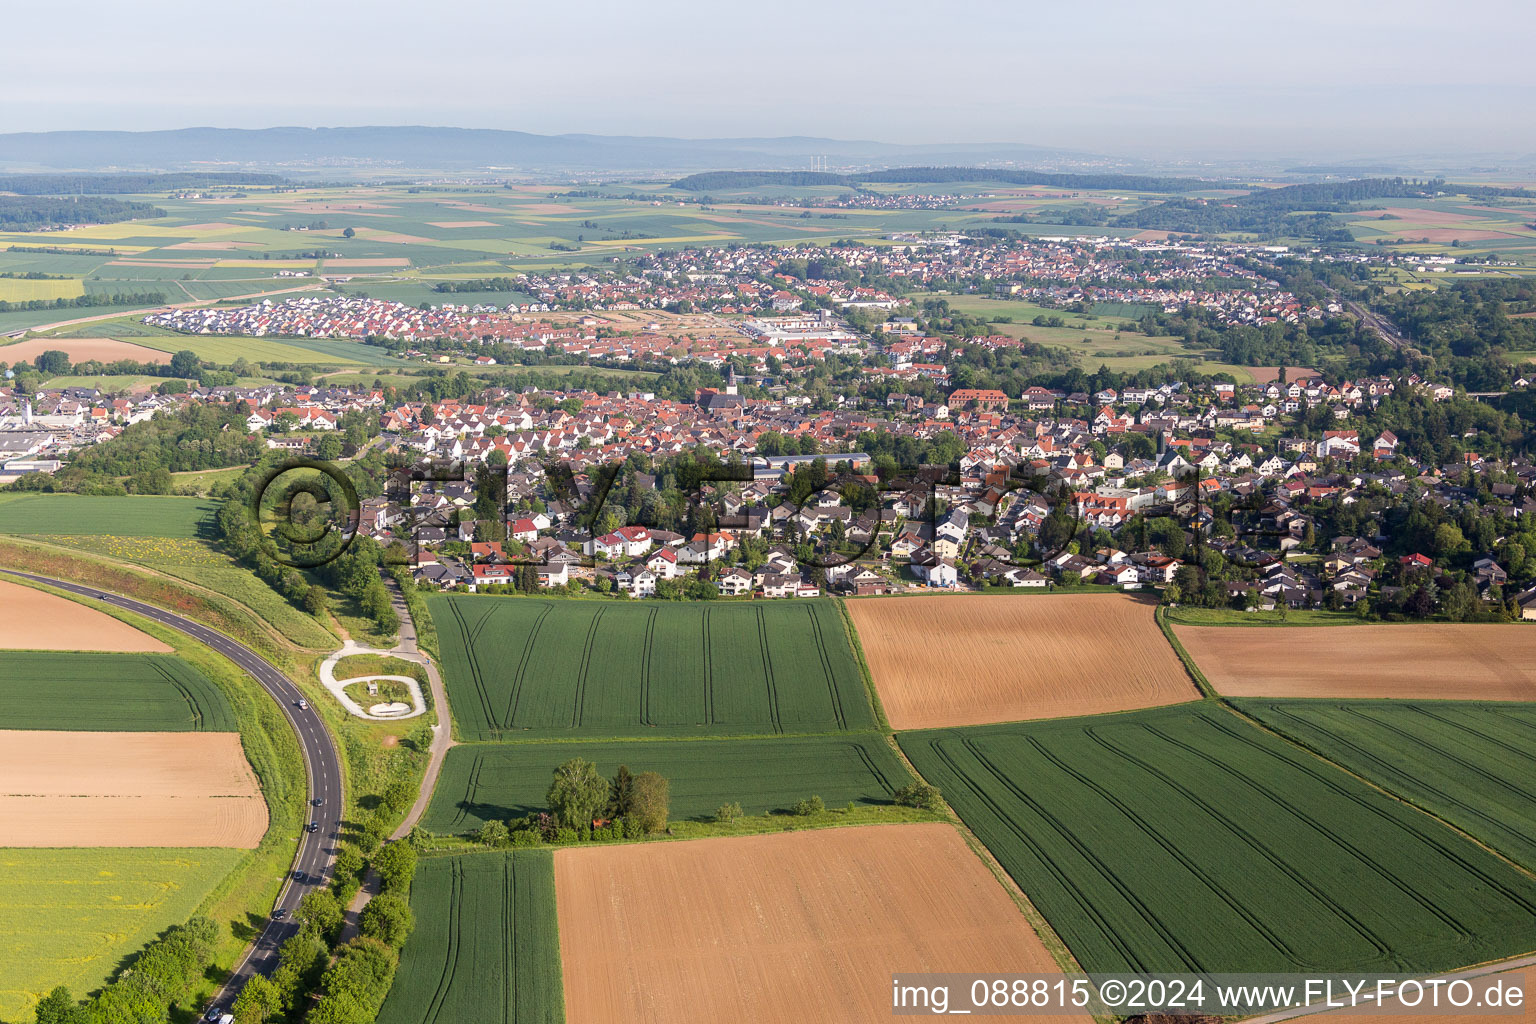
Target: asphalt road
x,y
316,850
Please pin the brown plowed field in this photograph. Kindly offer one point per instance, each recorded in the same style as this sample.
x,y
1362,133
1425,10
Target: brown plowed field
x,y
945,660
35,620
804,926
1432,660
128,789
81,349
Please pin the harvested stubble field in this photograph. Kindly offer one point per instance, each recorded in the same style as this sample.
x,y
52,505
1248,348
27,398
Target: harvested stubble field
x,y
80,350
106,693
134,516
524,665
1187,838
1474,765
1471,661
485,782
69,917
36,620
484,950
188,789
947,660
802,926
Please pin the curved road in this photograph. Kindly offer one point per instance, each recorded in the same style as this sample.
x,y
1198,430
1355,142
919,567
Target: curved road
x,y
321,764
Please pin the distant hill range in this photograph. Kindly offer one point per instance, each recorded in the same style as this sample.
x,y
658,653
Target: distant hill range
x,y
322,151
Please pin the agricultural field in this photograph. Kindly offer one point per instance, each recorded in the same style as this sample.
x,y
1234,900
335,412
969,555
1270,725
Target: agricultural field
x,y
1186,838
1467,661
485,949
80,350
184,789
36,620
1094,339
803,926
945,659
483,782
70,916
517,667
1498,225
132,516
109,692
1473,765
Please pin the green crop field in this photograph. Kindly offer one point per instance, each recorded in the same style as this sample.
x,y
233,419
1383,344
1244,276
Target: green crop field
x,y
1472,764
519,666
1188,839
486,949
109,693
484,782
69,917
133,516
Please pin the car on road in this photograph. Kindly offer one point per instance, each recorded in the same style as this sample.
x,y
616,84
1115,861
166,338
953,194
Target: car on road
x,y
279,913
318,801
300,877
302,704
313,826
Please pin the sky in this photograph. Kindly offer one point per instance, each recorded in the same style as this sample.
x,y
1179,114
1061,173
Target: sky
x,y
1181,78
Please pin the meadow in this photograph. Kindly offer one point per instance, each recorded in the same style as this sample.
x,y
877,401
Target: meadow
x,y
133,516
486,946
109,692
1473,765
1187,839
484,782
197,561
70,917
517,667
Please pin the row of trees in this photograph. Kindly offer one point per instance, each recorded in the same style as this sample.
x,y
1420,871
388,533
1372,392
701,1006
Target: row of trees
x,y
164,975
319,978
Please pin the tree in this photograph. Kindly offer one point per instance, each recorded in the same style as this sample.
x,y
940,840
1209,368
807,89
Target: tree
x,y
396,865
59,1007
494,834
650,803
185,364
920,794
328,447
621,793
348,233
577,793
387,918
257,1001
52,363
322,909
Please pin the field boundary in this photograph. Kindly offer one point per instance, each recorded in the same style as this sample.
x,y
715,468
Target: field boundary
x,y
865,674
1195,674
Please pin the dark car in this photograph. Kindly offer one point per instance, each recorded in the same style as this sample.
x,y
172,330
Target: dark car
x,y
279,913
313,826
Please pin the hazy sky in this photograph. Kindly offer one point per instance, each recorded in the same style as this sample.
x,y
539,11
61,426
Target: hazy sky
x,y
1303,78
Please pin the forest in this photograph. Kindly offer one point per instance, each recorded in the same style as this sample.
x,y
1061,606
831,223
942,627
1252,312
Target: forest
x,y
40,213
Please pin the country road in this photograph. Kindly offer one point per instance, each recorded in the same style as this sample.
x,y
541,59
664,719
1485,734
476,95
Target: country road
x,y
316,850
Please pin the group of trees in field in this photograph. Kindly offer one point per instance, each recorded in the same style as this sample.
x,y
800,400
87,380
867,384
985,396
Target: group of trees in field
x,y
583,805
